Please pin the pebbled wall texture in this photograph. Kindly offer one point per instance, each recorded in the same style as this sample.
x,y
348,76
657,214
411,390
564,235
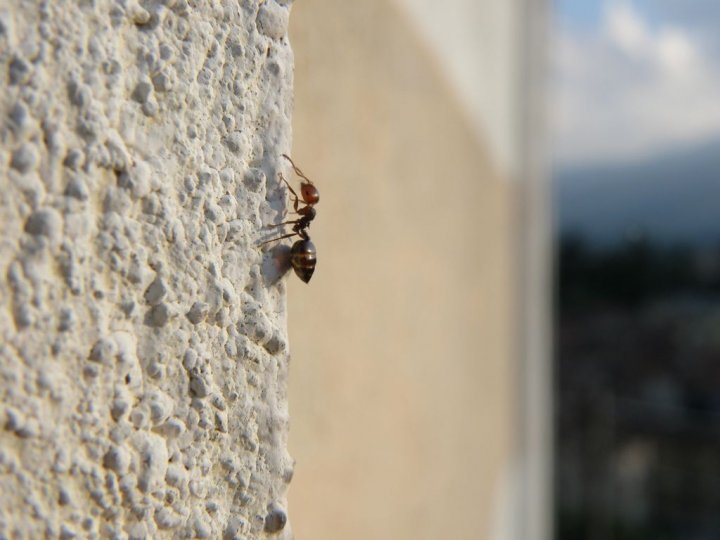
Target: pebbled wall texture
x,y
143,343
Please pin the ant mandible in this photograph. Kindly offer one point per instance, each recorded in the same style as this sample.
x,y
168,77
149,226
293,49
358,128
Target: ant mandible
x,y
303,255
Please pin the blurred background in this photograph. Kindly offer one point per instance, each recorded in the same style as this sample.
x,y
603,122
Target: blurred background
x,y
405,397
635,121
405,383
512,331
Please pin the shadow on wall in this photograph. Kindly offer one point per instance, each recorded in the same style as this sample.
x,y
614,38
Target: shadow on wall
x,y
401,345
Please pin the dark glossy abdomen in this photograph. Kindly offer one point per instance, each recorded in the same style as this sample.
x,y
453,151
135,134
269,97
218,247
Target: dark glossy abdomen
x,y
303,258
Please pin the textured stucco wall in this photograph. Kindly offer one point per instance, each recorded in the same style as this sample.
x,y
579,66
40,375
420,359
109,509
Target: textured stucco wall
x,y
143,352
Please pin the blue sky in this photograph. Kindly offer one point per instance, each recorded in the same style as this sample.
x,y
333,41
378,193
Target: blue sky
x,y
578,12
631,78
635,118
588,13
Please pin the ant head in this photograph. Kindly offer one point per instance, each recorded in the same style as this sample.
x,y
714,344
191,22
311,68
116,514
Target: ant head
x,y
310,193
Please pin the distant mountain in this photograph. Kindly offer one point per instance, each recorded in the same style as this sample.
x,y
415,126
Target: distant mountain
x,y
672,198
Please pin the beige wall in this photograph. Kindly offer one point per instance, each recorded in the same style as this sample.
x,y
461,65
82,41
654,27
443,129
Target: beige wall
x,y
477,45
402,344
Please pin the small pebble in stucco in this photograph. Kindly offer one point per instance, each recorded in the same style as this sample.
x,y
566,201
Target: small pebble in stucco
x,y
25,158
272,19
275,520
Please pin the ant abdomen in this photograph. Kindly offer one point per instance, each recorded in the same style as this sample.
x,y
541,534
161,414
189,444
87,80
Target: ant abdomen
x,y
303,258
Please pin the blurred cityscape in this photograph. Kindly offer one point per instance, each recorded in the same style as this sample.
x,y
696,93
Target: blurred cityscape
x,y
635,147
637,400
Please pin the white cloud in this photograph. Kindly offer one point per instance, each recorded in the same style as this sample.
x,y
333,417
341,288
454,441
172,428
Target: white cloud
x,y
626,30
630,89
676,52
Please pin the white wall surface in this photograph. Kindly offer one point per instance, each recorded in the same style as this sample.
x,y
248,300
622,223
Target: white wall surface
x,y
143,343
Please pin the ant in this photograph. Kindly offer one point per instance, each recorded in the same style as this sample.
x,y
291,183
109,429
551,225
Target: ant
x,y
303,256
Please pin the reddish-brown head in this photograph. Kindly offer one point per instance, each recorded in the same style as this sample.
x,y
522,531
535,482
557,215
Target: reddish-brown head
x,y
310,193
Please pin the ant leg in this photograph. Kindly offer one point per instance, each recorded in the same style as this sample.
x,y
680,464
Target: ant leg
x,y
296,199
283,223
297,171
278,238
